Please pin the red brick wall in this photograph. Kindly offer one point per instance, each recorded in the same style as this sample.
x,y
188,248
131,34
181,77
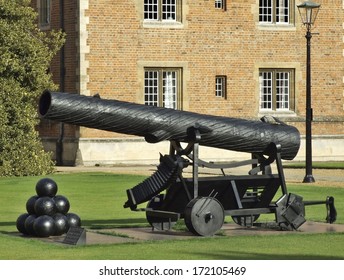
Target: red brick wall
x,y
211,42
214,42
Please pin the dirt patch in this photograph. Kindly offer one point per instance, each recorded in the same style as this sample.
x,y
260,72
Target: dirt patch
x,y
147,234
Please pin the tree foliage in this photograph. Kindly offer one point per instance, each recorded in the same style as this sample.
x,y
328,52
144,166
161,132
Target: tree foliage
x,y
25,56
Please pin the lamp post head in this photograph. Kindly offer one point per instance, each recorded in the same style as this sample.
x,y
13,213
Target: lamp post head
x,y
308,11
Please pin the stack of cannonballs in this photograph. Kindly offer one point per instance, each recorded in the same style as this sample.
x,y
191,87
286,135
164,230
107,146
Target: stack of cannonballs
x,y
47,213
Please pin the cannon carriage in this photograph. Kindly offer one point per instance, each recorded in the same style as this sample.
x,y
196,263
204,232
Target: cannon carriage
x,y
203,202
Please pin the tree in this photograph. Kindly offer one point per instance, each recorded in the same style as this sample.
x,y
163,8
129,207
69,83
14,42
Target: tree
x,y
25,56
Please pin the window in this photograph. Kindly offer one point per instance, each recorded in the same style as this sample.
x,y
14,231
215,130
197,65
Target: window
x,y
162,10
276,11
44,13
220,86
220,4
276,89
162,87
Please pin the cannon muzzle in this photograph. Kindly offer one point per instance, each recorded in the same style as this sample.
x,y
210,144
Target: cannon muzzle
x,y
156,124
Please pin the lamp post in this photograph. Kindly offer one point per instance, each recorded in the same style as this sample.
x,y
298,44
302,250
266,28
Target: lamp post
x,y
308,12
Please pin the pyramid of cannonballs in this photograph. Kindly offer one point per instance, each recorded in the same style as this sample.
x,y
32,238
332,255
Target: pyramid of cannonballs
x,y
47,213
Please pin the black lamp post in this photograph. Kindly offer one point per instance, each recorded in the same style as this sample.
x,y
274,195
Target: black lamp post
x,y
308,12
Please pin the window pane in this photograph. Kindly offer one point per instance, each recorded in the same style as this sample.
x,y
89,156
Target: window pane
x,y
44,13
282,11
282,90
219,4
152,88
169,9
265,84
151,9
169,88
220,86
162,87
265,11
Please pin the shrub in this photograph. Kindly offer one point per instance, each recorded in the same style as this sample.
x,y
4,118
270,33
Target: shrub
x,y
25,56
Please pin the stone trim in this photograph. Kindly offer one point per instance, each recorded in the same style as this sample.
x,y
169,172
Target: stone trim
x,y
83,48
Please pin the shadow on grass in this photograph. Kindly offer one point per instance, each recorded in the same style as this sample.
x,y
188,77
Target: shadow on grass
x,y
114,223
5,224
96,224
234,255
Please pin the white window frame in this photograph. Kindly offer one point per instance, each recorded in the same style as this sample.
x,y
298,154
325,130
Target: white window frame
x,y
221,86
162,87
276,90
220,4
162,10
279,12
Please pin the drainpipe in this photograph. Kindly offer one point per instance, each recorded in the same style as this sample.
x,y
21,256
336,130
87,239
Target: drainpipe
x,y
59,143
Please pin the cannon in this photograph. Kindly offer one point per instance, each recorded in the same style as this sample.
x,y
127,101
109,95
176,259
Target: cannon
x,y
203,202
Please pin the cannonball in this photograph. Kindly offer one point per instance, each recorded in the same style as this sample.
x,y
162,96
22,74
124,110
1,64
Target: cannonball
x,y
46,187
44,226
20,223
73,220
29,224
30,204
45,206
62,204
61,224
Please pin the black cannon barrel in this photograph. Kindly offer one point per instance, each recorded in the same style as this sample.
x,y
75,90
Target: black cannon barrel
x,y
158,124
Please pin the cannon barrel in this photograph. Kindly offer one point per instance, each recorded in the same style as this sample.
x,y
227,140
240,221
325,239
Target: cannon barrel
x,y
156,124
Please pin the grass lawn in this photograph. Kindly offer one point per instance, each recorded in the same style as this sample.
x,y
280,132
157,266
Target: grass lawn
x,y
317,164
98,199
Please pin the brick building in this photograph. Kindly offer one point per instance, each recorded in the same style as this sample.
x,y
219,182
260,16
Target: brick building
x,y
232,58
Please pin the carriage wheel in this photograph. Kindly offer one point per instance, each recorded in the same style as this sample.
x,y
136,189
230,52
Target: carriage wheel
x,y
204,216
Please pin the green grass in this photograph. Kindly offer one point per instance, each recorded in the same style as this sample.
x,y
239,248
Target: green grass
x,y
316,165
260,247
98,199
